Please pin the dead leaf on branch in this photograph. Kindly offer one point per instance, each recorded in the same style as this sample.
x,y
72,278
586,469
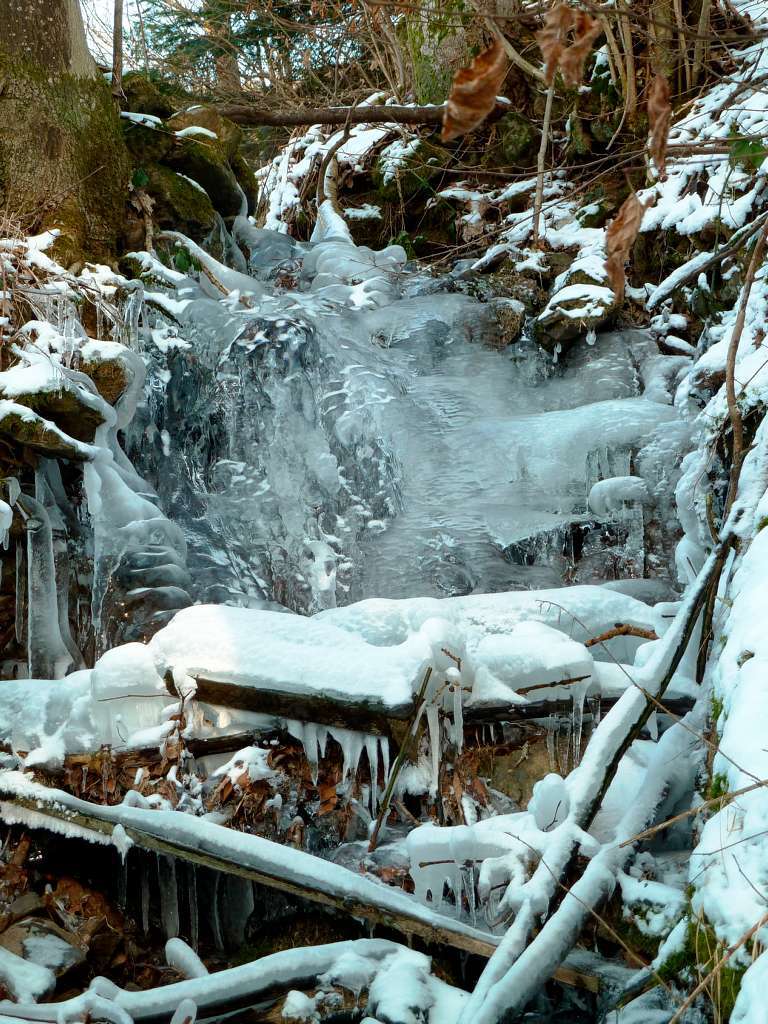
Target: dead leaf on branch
x,y
619,239
566,41
474,91
659,117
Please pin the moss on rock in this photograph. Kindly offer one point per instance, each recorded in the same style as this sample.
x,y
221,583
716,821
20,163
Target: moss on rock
x,y
179,204
228,135
144,95
517,141
146,144
205,161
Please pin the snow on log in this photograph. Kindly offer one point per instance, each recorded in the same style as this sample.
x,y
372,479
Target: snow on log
x,y
215,846
353,964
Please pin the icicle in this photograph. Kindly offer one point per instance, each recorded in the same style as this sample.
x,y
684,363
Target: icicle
x,y
563,743
596,707
169,896
653,725
236,906
472,896
433,723
215,918
47,654
21,589
351,744
322,739
311,749
309,735
122,881
551,728
194,912
577,723
185,1012
145,902
372,750
384,748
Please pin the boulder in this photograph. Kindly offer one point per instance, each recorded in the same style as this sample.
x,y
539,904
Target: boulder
x,y
517,141
581,302
228,135
402,170
112,367
26,428
203,160
67,406
510,314
181,203
146,141
141,94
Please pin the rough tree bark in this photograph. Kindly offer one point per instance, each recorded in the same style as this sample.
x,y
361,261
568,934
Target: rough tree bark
x,y
62,159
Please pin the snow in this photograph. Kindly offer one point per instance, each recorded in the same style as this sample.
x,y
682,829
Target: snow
x,y
148,120
183,959
194,130
25,980
289,654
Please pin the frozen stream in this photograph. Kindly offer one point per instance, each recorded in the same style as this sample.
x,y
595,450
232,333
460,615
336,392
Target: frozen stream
x,y
348,430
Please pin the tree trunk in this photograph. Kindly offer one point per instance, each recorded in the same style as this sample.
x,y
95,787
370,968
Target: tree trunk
x,y
62,159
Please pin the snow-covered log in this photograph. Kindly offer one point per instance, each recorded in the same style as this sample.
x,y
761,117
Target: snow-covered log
x,y
354,965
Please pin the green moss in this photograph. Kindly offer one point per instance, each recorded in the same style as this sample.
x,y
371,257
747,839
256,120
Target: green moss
x,y
718,787
517,142
147,96
63,162
717,707
206,163
695,959
412,245
146,144
580,142
179,205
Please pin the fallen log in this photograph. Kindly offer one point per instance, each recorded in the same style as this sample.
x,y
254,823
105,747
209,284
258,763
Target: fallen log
x,y
286,869
375,718
252,115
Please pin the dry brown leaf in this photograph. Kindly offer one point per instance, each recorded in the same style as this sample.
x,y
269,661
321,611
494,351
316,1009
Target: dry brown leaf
x,y
557,51
659,117
551,38
619,239
585,30
474,91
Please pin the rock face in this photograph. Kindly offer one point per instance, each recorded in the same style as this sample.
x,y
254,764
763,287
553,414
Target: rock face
x,y
191,164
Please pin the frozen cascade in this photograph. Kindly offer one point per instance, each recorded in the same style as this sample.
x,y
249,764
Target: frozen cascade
x,y
355,437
